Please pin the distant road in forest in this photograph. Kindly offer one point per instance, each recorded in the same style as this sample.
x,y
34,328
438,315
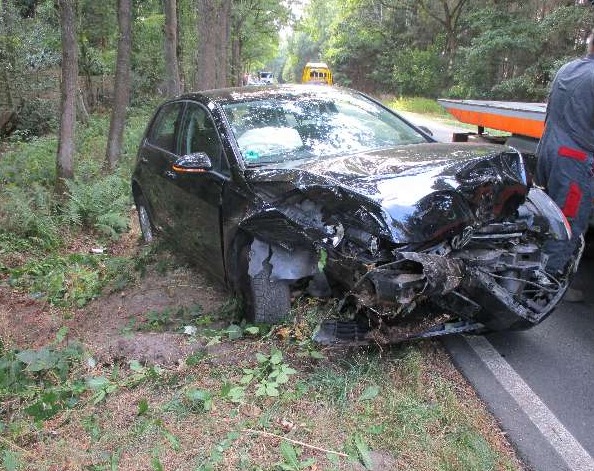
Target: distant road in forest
x,y
441,131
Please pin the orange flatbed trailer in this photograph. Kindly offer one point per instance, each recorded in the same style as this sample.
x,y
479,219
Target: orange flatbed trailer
x,y
518,118
525,121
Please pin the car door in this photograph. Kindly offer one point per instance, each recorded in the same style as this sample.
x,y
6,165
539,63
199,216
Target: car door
x,y
197,202
157,153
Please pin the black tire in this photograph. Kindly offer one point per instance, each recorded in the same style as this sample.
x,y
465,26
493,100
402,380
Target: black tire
x,y
268,301
144,219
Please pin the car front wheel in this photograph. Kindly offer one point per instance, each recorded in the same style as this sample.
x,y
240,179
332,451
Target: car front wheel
x,y
268,301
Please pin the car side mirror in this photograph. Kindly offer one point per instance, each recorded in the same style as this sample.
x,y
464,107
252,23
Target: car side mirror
x,y
196,162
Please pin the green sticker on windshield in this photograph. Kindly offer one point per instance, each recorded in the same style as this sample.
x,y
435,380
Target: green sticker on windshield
x,y
251,155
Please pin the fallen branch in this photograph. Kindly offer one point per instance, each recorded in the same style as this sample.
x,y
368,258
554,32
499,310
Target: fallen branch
x,y
296,442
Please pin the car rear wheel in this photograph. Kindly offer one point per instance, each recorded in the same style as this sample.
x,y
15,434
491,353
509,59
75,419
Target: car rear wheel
x,y
144,219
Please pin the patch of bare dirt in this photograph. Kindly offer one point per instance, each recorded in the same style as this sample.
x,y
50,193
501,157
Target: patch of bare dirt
x,y
26,322
111,327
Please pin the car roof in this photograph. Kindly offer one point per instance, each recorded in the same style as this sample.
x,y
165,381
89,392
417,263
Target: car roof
x,y
238,94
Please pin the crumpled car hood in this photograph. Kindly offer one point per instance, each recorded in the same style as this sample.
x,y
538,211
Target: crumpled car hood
x,y
460,183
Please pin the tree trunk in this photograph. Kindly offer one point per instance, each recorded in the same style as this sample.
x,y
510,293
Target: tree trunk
x,y
68,88
83,114
6,54
171,43
450,21
121,94
212,58
179,47
223,42
236,72
206,50
237,67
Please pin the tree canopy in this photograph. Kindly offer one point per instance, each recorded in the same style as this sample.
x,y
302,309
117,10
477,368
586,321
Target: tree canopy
x,y
497,49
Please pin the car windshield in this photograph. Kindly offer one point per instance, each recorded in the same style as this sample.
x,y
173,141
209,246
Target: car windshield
x,y
275,129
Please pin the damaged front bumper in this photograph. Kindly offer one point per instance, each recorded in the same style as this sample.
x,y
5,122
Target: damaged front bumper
x,y
425,295
470,277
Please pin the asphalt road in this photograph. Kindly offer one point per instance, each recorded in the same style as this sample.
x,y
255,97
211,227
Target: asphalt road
x,y
556,359
538,383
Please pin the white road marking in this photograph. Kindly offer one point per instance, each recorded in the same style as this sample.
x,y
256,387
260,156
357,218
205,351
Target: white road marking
x,y
576,457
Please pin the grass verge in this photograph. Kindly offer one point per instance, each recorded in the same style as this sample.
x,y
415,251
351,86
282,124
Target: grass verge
x,y
254,402
426,106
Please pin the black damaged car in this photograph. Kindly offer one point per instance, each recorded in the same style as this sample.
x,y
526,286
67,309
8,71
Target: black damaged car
x,y
327,191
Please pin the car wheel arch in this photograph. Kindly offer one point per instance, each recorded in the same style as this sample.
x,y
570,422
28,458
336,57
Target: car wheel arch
x,y
264,269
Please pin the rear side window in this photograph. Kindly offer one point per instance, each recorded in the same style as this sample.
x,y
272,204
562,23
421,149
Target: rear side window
x,y
164,130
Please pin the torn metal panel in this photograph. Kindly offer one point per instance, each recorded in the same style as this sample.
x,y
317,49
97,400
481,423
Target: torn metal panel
x,y
443,274
285,265
292,265
258,254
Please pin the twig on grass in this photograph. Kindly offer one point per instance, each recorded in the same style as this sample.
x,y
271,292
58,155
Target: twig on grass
x,y
296,442
15,446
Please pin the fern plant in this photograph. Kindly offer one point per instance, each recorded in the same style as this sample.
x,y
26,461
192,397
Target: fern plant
x,y
28,212
27,163
101,204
